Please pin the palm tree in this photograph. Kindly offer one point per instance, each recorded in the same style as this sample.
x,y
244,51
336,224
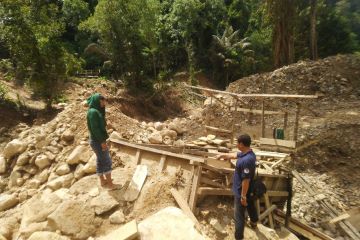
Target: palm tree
x,y
230,48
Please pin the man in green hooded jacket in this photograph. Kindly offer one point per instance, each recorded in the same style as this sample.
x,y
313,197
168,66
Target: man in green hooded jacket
x,y
98,135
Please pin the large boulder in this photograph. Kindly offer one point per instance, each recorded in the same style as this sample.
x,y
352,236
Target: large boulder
x,y
74,218
79,154
159,126
62,169
13,148
79,171
115,135
68,136
61,182
43,235
7,201
167,224
155,138
168,133
178,126
23,159
42,161
14,176
117,217
2,164
90,166
103,203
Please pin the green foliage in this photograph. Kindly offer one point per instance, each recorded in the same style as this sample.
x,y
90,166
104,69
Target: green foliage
x,y
3,92
75,11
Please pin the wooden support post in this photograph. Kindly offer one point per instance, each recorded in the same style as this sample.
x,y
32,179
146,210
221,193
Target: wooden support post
x,y
296,126
138,157
268,205
267,212
194,188
257,202
289,199
233,124
162,163
285,123
263,119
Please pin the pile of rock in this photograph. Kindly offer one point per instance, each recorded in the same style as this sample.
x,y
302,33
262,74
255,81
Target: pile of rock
x,y
211,141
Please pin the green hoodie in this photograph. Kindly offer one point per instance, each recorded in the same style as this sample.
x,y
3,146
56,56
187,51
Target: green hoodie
x,y
96,119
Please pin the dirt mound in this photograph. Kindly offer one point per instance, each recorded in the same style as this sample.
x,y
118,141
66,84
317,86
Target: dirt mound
x,y
335,77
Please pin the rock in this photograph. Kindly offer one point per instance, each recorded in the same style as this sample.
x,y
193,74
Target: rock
x,y
218,141
167,224
168,140
23,196
77,155
170,133
33,227
74,218
7,201
43,176
155,138
115,135
79,171
47,236
216,224
158,126
62,169
42,161
7,226
210,137
20,182
23,159
177,126
90,166
179,143
63,181
103,203
34,184
203,139
13,148
14,176
117,217
68,136
2,165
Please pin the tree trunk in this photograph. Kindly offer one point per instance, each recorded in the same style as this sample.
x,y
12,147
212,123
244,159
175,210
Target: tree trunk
x,y
313,34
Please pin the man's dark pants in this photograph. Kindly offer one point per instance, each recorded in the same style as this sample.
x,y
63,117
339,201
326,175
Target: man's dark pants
x,y
239,211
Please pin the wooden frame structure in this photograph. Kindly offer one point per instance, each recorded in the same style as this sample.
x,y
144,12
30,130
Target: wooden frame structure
x,y
242,98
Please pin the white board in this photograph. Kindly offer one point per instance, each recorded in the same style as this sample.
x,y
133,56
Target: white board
x,y
137,181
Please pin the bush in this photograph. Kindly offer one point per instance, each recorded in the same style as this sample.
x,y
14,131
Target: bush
x,y
6,66
3,92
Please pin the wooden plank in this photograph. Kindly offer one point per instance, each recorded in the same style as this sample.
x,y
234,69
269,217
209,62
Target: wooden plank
x,y
184,206
210,182
128,231
256,111
133,190
194,188
215,191
263,119
255,95
162,163
276,164
278,142
153,150
300,228
268,205
215,129
257,202
137,157
267,212
348,228
297,117
348,214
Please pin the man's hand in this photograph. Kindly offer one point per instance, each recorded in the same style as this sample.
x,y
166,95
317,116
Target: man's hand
x,y
243,201
104,146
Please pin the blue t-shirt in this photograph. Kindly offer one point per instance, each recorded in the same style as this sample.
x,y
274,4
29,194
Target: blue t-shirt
x,y
245,168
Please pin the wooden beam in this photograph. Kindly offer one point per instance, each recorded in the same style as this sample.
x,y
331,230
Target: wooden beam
x,y
215,129
277,193
162,163
255,95
184,206
268,205
348,214
210,182
128,231
138,157
300,228
194,188
256,111
285,123
263,119
215,191
267,212
278,142
154,150
276,164
297,117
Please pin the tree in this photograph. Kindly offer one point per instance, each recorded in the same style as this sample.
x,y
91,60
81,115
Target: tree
x,y
230,49
282,13
313,33
32,31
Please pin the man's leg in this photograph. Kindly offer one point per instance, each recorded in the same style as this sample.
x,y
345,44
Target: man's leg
x,y
109,182
252,212
239,212
102,180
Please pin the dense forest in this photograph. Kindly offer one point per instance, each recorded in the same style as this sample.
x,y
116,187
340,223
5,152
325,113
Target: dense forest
x,y
44,42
